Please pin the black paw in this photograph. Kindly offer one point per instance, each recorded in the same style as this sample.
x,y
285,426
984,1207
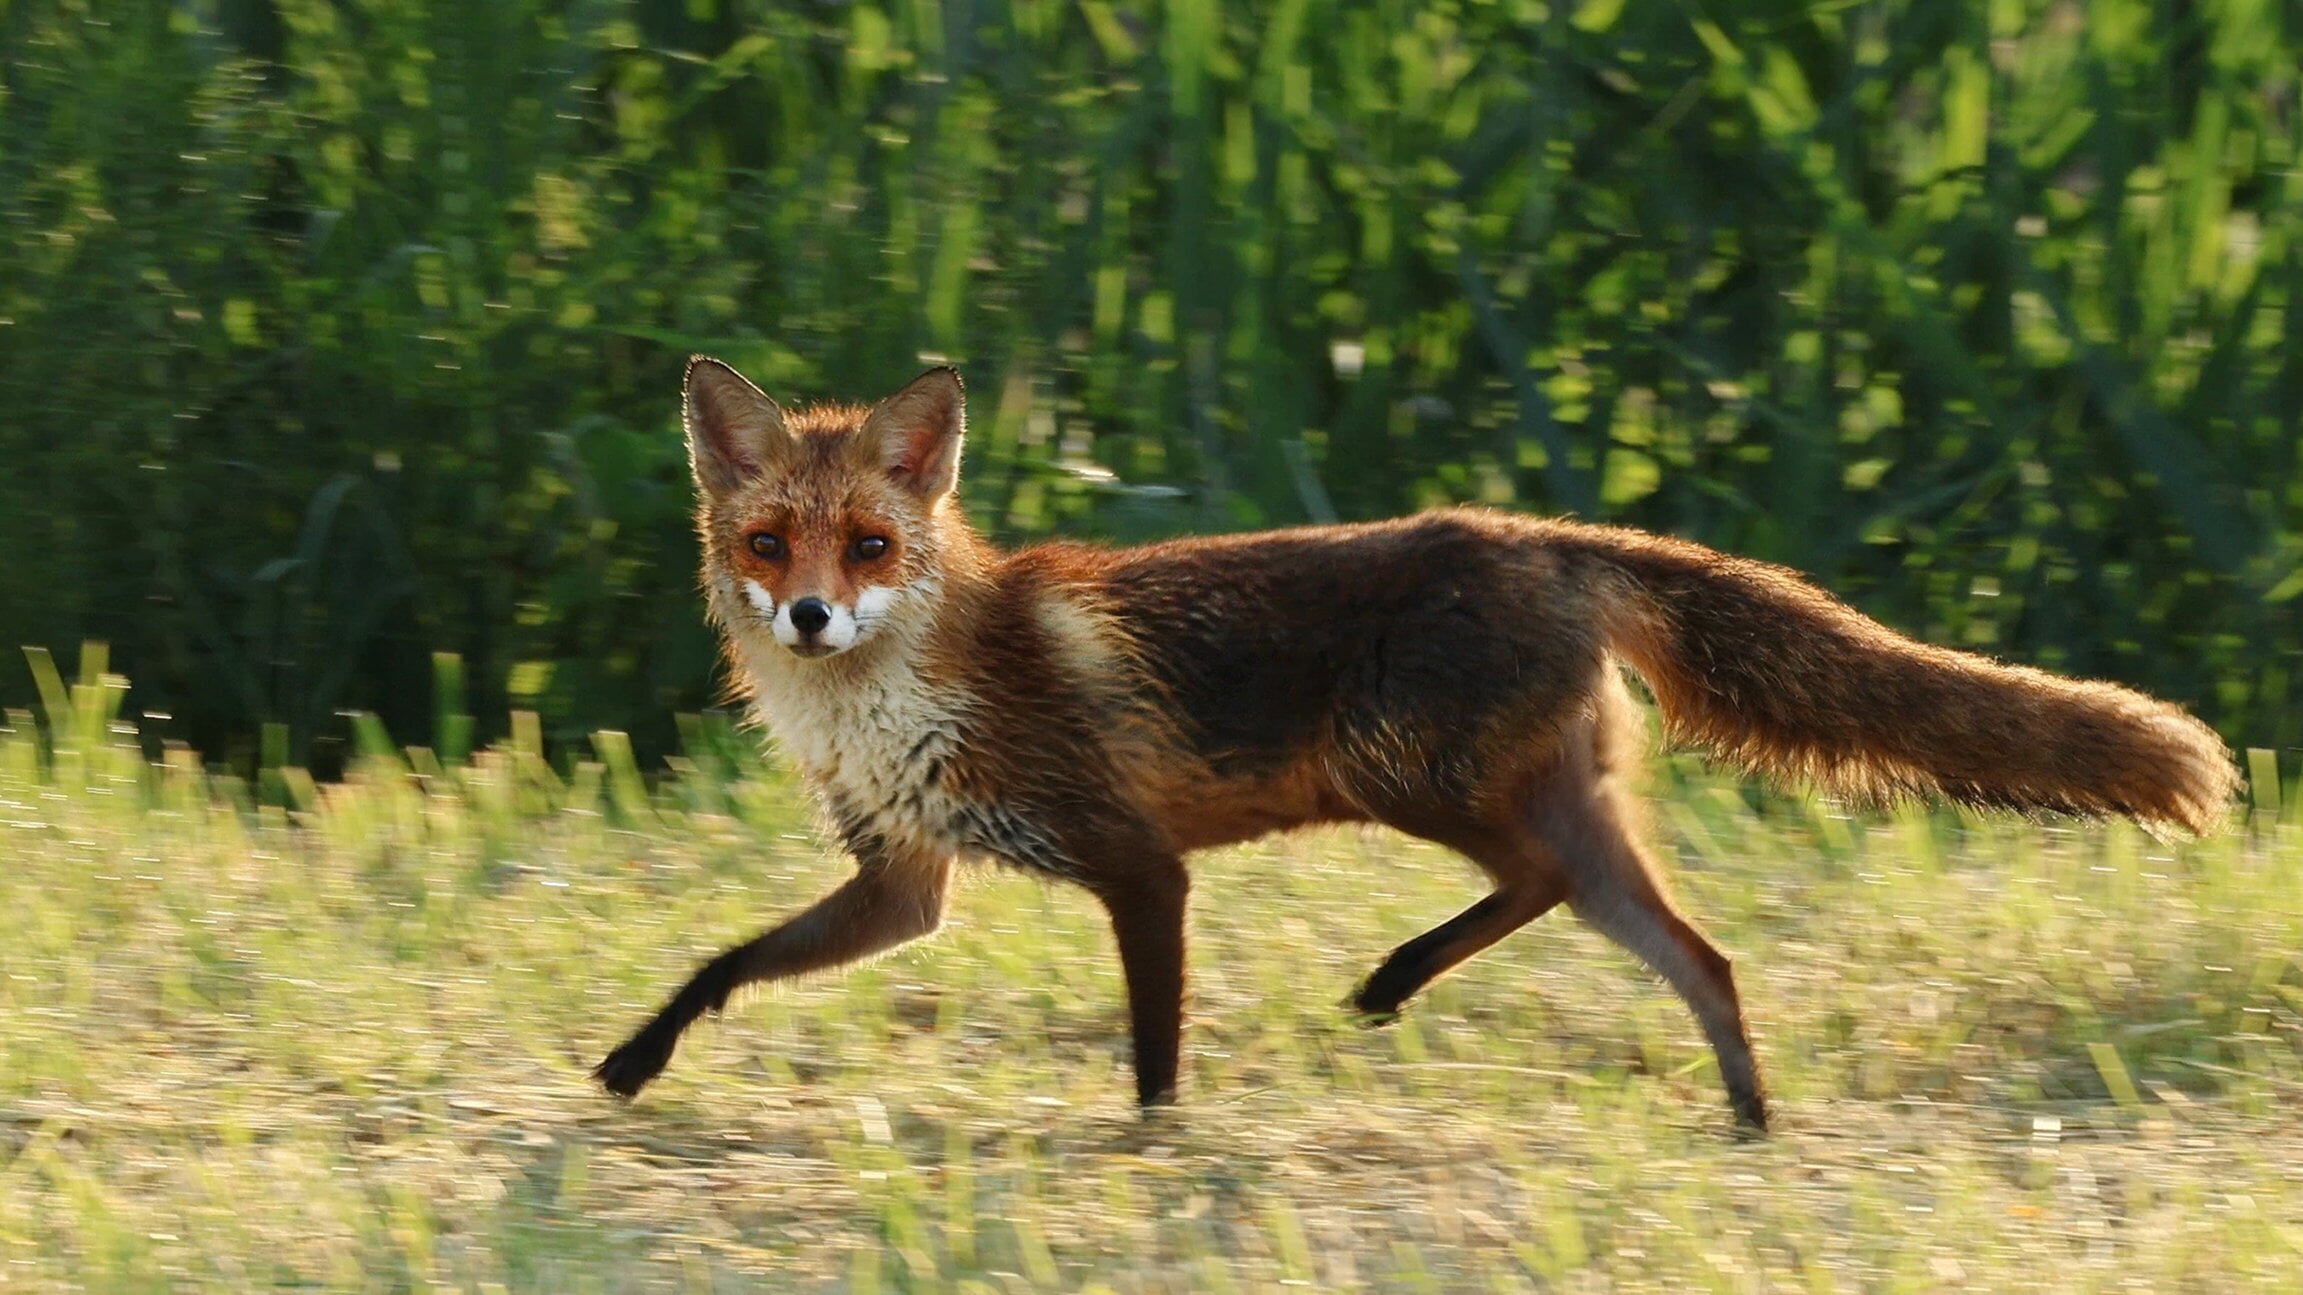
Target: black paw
x,y
1750,1116
629,1068
1371,1007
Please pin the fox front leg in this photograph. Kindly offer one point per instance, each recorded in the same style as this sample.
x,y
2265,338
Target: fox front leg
x,y
1147,913
891,900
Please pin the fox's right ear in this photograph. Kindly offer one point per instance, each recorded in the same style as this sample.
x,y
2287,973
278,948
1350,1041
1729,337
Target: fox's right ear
x,y
735,433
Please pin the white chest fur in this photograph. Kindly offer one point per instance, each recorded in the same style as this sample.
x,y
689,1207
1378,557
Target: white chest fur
x,y
875,735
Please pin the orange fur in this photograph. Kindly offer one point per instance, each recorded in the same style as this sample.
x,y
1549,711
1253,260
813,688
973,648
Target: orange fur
x,y
1766,670
1095,714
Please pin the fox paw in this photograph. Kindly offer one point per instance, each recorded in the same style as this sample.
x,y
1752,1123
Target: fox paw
x,y
1751,1116
1371,1011
629,1068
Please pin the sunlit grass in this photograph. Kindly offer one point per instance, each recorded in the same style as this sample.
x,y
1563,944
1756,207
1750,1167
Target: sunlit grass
x,y
336,1037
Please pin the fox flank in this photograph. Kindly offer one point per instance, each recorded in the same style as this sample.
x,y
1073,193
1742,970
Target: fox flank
x,y
1097,714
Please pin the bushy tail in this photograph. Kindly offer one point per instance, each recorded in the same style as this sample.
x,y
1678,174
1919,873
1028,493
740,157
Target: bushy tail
x,y
1772,673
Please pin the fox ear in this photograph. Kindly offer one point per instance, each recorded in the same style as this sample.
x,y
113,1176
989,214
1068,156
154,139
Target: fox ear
x,y
917,433
735,433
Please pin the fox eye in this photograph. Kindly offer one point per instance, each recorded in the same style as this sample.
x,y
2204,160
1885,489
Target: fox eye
x,y
767,546
869,547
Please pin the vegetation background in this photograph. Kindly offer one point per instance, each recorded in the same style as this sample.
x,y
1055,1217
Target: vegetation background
x,y
336,333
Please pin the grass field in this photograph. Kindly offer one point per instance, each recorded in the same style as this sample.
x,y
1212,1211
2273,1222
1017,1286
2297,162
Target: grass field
x,y
335,1037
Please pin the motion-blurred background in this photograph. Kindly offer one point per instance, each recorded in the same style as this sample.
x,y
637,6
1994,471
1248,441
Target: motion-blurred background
x,y
338,333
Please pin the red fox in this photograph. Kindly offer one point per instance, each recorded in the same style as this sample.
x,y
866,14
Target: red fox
x,y
1097,714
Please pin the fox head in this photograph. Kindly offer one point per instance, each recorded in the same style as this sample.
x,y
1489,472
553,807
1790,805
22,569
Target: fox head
x,y
825,527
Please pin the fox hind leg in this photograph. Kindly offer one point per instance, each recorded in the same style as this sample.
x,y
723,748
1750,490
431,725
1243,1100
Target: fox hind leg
x,y
1520,898
1614,888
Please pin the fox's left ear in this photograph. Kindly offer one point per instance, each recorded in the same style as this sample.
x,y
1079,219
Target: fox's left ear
x,y
917,432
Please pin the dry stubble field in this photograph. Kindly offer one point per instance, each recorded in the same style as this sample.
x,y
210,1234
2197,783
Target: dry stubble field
x,y
285,1036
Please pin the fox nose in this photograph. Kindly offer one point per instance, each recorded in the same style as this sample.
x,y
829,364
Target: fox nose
x,y
809,615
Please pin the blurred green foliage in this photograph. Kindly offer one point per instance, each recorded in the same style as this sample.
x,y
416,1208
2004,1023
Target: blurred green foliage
x,y
334,333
